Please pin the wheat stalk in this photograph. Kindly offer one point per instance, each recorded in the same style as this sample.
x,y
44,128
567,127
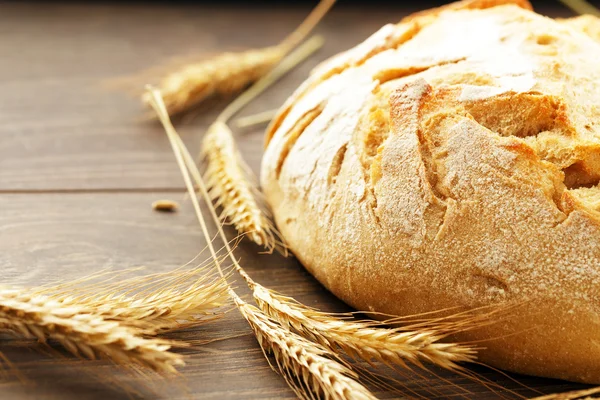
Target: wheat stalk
x,y
581,7
255,119
287,64
229,73
82,332
303,364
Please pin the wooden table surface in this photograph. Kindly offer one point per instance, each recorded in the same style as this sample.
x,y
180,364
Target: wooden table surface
x,y
79,170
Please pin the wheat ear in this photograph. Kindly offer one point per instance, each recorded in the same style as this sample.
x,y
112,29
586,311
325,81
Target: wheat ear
x,y
161,302
363,339
230,181
222,75
82,332
302,363
229,73
226,176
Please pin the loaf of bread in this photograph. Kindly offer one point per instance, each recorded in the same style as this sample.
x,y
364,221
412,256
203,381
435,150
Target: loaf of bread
x,y
453,160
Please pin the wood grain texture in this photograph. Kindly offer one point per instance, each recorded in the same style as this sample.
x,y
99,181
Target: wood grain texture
x,y
79,171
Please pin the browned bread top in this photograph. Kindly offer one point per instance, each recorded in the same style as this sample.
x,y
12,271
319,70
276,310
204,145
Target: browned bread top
x,y
451,160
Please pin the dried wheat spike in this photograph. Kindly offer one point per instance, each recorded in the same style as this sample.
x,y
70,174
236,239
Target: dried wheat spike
x,y
231,186
302,363
364,339
82,332
224,75
229,73
156,308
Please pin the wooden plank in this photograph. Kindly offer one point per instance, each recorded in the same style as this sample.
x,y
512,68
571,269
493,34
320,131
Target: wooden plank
x,y
49,237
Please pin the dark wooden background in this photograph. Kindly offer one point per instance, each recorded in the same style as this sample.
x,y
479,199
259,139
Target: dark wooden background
x,y
79,170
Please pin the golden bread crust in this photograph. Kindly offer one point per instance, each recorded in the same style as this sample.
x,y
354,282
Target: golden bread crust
x,y
454,160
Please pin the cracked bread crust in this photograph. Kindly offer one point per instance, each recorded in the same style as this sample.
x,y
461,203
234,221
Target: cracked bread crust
x,y
454,160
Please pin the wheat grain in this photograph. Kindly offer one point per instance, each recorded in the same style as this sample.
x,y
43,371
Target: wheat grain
x,y
82,332
229,73
302,363
165,205
230,187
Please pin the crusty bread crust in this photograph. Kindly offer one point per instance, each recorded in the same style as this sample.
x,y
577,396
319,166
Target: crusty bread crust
x,y
454,160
